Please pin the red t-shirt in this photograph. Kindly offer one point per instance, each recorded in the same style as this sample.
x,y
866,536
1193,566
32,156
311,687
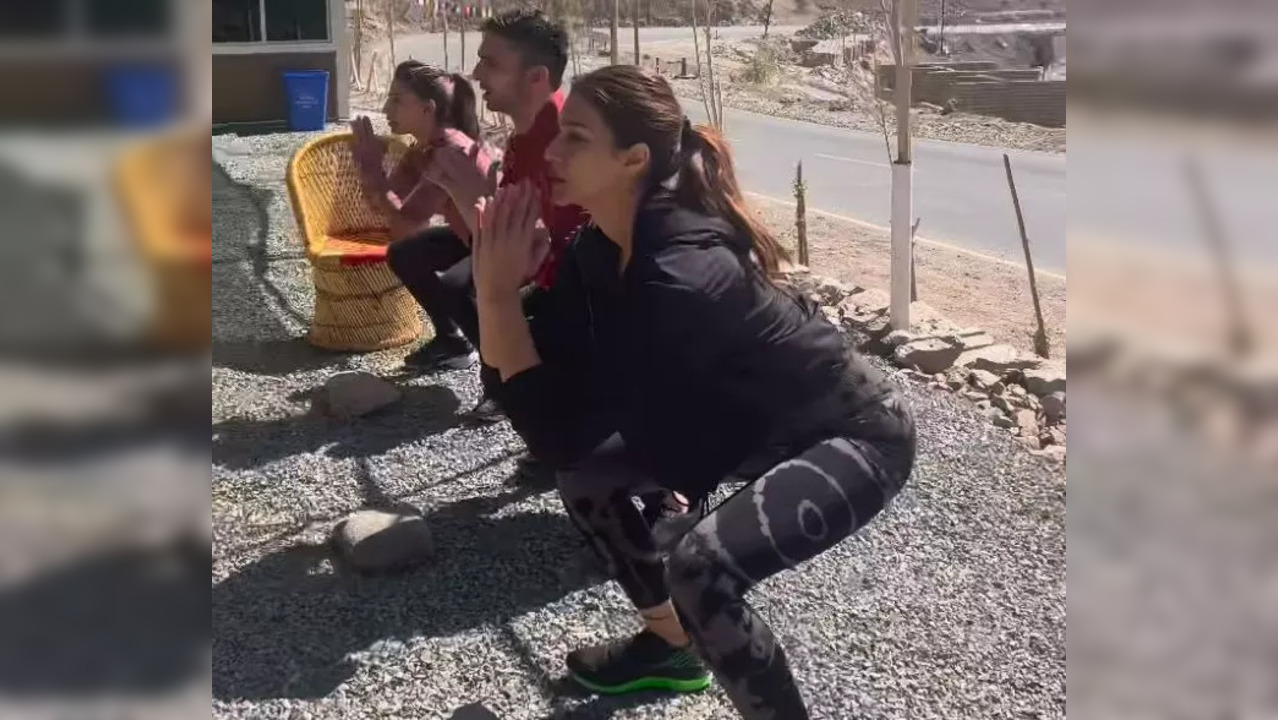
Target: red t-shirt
x,y
525,159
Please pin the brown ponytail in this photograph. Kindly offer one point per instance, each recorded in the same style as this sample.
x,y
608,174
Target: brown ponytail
x,y
708,181
639,107
453,95
462,112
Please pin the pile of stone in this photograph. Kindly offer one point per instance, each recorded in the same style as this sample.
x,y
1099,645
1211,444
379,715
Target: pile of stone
x,y
832,26
1015,391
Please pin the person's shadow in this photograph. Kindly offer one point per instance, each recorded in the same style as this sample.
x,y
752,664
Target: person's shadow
x,y
285,629
123,620
241,443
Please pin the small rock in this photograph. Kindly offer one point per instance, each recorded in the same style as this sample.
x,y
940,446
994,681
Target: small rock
x,y
929,355
1004,403
983,404
1031,442
955,384
1058,434
998,359
984,379
1016,391
897,338
355,393
1054,406
381,541
1000,420
976,396
1055,453
975,339
1033,403
1044,381
832,314
832,292
1027,421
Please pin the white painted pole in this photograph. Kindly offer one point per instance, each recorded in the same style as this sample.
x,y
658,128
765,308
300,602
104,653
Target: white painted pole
x,y
903,172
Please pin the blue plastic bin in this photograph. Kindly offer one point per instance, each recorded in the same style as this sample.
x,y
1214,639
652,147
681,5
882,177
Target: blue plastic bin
x,y
142,97
307,92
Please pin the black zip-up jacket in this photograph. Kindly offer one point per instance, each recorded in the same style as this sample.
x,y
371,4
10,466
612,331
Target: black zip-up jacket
x,y
689,354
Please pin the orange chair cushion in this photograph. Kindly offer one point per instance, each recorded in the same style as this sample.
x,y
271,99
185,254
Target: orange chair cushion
x,y
353,250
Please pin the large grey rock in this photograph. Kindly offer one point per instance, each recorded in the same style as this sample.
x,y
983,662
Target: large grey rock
x,y
998,359
986,380
866,312
1044,381
928,355
383,541
1054,407
356,393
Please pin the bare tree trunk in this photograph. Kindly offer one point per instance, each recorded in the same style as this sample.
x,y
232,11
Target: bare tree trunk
x,y
445,22
767,19
801,215
634,18
357,42
462,30
390,30
715,91
706,100
612,32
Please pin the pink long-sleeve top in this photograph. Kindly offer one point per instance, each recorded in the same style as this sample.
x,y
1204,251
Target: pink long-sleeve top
x,y
422,199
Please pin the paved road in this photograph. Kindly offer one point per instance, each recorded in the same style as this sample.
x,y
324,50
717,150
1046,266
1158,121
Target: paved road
x,y
1130,190
961,190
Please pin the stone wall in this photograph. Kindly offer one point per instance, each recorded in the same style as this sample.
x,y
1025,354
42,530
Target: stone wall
x,y
1032,101
981,88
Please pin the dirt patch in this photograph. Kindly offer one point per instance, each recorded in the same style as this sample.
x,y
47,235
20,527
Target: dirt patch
x,y
971,290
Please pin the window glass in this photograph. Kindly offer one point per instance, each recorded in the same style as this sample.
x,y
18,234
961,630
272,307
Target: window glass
x,y
236,20
297,19
114,18
23,19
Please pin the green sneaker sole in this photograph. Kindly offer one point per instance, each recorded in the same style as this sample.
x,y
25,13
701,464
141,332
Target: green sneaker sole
x,y
646,683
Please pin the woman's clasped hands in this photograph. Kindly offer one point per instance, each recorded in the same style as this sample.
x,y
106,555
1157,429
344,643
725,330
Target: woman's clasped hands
x,y
510,243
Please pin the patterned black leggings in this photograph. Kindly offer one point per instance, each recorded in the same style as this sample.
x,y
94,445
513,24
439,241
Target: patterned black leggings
x,y
793,512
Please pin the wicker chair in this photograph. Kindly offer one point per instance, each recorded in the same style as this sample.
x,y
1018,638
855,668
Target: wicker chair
x,y
360,305
160,182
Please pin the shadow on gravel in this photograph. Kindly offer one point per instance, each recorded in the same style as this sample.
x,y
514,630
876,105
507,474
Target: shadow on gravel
x,y
273,357
241,444
244,297
287,627
122,621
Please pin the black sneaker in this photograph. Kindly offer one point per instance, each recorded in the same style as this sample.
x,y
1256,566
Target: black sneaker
x,y
445,352
533,473
485,412
635,664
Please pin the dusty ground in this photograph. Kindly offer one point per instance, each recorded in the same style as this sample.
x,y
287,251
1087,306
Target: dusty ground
x,y
972,290
821,95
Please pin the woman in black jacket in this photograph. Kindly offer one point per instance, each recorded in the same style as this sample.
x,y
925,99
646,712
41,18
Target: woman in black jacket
x,y
668,357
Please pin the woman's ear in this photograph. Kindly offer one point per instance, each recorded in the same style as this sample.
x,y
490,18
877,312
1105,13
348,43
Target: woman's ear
x,y
636,158
430,109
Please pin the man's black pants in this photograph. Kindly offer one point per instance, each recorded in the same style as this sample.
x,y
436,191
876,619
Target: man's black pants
x,y
435,266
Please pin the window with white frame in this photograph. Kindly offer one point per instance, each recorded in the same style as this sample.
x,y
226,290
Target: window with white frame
x,y
92,19
238,21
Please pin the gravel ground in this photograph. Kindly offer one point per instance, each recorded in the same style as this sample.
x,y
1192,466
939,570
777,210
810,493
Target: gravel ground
x,y
952,604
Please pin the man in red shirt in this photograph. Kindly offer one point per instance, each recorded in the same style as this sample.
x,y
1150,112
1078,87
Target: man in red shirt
x,y
522,59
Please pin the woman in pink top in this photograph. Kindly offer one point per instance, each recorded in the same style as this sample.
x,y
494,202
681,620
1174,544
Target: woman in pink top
x,y
438,110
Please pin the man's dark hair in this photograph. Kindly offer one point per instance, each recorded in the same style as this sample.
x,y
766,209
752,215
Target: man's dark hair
x,y
540,40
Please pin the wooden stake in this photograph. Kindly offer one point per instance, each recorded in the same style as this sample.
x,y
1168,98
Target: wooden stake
x,y
801,214
1041,345
1241,339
